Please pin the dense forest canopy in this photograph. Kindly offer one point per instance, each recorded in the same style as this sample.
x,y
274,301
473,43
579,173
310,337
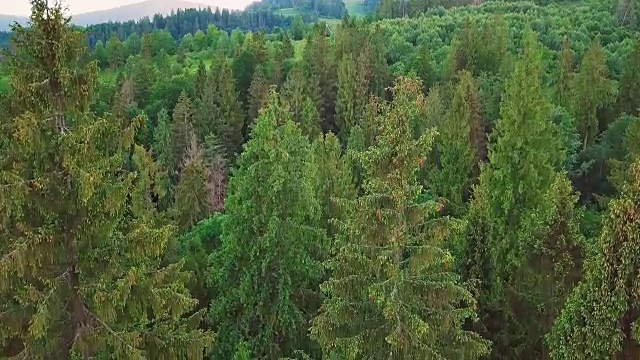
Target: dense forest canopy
x,y
434,181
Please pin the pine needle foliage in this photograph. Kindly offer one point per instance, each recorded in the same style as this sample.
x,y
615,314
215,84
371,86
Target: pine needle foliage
x,y
269,264
81,252
392,294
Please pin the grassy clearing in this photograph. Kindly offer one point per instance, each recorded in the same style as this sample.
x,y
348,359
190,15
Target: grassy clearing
x,y
289,12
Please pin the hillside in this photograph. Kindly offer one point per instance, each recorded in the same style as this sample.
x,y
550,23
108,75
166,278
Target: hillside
x,y
133,11
7,20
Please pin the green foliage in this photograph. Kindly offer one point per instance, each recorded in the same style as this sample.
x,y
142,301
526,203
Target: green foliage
x,y
461,146
82,250
267,271
592,90
391,293
522,225
598,320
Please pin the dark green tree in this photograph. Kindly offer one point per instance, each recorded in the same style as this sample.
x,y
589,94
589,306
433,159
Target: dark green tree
x,y
461,146
115,52
593,90
523,241
81,255
565,74
392,293
599,320
629,95
267,272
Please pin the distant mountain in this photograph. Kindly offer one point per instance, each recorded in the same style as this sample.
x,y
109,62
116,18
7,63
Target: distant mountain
x,y
7,20
134,11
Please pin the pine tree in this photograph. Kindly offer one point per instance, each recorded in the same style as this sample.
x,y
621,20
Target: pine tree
x,y
67,201
629,96
267,271
182,127
192,202
565,74
599,319
147,46
464,50
335,179
230,117
522,225
592,91
258,96
162,149
320,72
295,92
461,146
392,293
200,80
310,120
115,52
346,108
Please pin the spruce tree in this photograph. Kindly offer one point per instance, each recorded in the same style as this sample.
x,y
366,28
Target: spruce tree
x,y
392,293
182,127
460,147
335,179
200,80
267,272
592,91
258,96
352,95
599,320
565,74
192,203
162,149
629,96
523,243
80,260
295,92
310,120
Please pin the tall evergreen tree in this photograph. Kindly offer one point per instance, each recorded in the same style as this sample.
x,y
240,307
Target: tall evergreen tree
x,y
162,149
352,95
182,127
522,225
192,203
629,96
335,180
80,261
258,96
392,293
461,146
599,320
565,74
267,272
592,91
115,52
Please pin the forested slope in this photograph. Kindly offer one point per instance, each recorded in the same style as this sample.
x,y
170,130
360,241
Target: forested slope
x,y
458,184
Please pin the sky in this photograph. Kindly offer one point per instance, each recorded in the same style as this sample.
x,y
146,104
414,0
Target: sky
x,y
22,7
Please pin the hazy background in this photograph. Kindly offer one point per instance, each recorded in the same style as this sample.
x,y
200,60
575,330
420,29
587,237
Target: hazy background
x,y
22,7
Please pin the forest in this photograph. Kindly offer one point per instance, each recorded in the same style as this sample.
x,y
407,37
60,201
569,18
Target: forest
x,y
426,182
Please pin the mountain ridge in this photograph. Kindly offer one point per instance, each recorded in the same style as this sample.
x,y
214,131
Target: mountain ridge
x,y
123,13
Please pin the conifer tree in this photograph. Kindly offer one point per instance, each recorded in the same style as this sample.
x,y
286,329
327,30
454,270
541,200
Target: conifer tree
x,y
310,120
599,320
267,272
629,97
115,52
335,179
461,146
592,91
147,46
392,293
295,92
565,74
230,114
523,239
80,259
320,69
352,94
182,127
464,50
201,80
162,149
258,96
192,202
